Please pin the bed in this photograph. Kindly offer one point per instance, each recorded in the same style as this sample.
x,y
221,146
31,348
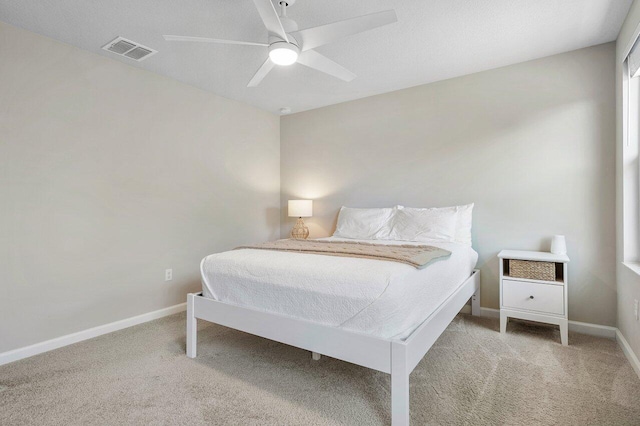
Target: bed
x,y
378,314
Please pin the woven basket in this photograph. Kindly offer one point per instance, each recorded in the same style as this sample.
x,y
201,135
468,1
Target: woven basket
x,y
532,270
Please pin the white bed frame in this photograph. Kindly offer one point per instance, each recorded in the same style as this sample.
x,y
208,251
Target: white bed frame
x,y
395,357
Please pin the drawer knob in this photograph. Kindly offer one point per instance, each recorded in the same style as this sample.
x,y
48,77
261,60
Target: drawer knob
x,y
530,297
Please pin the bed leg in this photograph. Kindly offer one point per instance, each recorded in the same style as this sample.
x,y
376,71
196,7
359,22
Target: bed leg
x,y
192,326
315,356
475,303
399,385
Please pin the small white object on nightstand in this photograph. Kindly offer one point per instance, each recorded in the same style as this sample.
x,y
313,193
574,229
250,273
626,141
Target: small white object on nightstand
x,y
531,299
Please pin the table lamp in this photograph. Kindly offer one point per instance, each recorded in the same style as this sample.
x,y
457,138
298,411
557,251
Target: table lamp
x,y
300,209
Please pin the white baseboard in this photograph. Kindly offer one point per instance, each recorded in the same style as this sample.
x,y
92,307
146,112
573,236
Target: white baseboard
x,y
593,329
69,339
484,312
575,326
628,352
490,312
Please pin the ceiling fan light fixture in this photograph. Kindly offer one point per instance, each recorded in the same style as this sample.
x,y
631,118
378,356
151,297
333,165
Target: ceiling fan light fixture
x,y
285,39
283,53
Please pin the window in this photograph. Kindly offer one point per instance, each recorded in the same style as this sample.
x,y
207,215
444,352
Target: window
x,y
630,160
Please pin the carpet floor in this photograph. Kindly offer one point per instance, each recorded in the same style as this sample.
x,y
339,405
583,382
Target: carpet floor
x,y
471,376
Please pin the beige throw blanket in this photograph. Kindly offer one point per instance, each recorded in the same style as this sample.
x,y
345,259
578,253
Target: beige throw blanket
x,y
417,256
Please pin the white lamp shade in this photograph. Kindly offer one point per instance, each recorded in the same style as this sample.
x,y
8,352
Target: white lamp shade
x,y
300,208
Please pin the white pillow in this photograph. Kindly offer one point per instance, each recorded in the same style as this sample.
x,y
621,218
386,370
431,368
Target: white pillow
x,y
364,224
464,219
424,224
463,224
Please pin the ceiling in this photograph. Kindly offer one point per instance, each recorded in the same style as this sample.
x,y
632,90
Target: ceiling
x,y
432,40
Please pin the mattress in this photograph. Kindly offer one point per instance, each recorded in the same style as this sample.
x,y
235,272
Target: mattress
x,y
381,298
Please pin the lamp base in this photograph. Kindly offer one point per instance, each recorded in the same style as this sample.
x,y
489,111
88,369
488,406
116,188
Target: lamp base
x,y
300,230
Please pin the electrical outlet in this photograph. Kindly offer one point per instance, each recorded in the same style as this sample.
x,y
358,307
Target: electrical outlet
x,y
635,309
168,274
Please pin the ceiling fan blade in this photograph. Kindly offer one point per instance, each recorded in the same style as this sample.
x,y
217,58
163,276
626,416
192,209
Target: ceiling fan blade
x,y
262,73
324,34
313,59
270,18
211,40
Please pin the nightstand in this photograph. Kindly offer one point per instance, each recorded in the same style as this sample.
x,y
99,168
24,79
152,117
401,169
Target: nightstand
x,y
541,300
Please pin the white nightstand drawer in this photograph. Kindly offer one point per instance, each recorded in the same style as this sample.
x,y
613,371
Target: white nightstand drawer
x,y
530,296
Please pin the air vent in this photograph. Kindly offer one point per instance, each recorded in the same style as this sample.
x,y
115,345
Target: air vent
x,y
120,47
130,49
138,53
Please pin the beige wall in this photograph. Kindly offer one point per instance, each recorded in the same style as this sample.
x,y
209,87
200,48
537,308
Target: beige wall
x,y
531,144
628,280
108,176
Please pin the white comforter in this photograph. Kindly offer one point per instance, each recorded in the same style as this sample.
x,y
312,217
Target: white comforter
x,y
382,298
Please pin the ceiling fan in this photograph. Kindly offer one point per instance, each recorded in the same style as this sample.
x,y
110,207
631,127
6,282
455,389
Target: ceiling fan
x,y
288,45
